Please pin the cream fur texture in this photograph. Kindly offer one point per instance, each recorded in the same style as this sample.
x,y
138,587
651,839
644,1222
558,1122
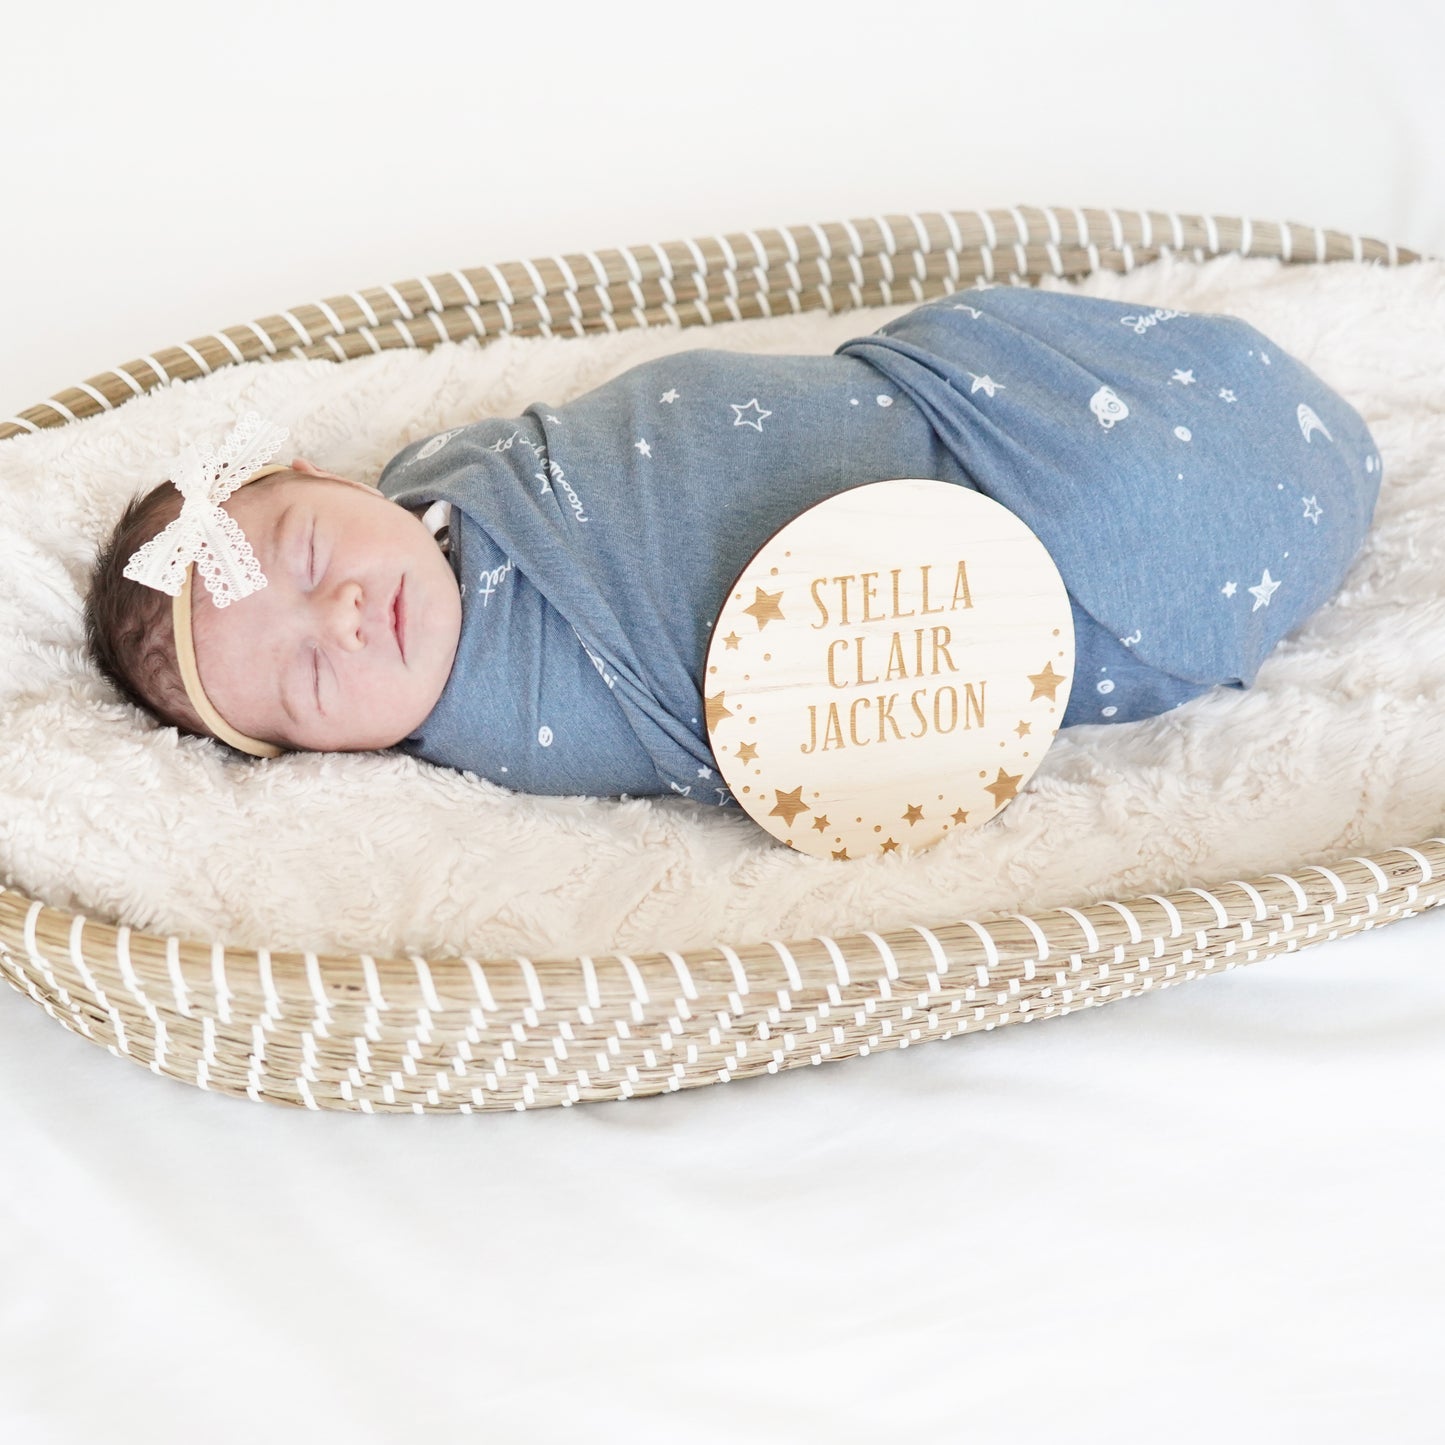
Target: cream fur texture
x,y
1338,748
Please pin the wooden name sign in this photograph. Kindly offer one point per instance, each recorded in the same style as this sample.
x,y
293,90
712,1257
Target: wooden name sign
x,y
894,663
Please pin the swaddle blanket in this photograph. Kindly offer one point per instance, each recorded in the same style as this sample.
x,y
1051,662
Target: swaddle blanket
x,y
1201,492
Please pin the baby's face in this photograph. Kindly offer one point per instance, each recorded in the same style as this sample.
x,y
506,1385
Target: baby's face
x,y
349,644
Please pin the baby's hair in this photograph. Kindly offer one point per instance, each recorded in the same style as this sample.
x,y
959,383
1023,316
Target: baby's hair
x,y
128,628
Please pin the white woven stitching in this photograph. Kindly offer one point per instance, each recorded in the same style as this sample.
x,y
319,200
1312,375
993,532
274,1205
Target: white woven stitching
x,y
1090,937
399,300
1221,913
840,964
940,954
740,978
1426,870
1261,908
480,985
468,290
890,963
1176,923
507,299
795,979
1135,933
1341,892
639,986
534,987
428,985
373,982
990,948
218,983
1301,897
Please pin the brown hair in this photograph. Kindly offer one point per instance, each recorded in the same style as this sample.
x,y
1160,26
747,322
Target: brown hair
x,y
128,628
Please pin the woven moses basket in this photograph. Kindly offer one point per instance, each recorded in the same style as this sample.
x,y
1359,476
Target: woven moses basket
x,y
463,1034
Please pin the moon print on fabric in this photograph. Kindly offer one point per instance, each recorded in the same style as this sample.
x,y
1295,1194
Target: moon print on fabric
x,y
1309,422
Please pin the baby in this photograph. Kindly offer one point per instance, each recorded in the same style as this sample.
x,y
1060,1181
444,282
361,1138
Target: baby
x,y
531,598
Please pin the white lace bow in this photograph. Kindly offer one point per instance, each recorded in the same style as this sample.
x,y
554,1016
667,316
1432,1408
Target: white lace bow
x,y
205,533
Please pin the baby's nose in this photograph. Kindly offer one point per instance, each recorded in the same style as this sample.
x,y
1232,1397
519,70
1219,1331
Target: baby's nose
x,y
345,617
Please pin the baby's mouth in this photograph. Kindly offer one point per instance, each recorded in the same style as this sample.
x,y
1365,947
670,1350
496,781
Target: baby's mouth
x,y
398,618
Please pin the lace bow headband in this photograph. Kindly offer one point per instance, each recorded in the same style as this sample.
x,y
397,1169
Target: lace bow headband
x,y
205,535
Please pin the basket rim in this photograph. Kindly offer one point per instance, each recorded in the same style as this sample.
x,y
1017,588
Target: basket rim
x,y
761,273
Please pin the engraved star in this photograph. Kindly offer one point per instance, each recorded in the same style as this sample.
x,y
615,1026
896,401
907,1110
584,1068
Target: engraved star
x,y
789,805
643,447
747,752
765,608
985,383
1226,395
1046,681
669,396
1313,510
716,711
913,814
1023,729
960,816
842,855
732,640
1184,378
740,420
1229,589
1004,787
821,824
1263,592
889,846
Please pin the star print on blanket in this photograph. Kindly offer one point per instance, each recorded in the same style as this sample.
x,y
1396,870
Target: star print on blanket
x,y
1200,491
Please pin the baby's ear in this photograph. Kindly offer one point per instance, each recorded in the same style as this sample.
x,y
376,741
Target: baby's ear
x,y
309,469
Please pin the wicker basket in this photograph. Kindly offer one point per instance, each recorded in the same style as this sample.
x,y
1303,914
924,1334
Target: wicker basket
x,y
416,1034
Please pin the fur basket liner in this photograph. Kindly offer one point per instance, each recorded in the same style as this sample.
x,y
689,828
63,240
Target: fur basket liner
x,y
461,1034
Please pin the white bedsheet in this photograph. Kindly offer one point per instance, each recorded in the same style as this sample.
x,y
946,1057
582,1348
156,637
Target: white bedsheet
x,y
1206,1213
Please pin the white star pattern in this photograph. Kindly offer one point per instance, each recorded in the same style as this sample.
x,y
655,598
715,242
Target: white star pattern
x,y
1264,591
669,396
1226,395
556,419
741,420
1184,378
972,311
1229,589
985,383
643,447
704,772
1313,511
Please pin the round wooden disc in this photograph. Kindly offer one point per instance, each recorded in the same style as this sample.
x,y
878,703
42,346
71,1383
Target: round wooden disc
x,y
892,664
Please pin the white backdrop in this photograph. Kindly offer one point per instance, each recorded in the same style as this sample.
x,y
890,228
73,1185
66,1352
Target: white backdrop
x,y
1201,1212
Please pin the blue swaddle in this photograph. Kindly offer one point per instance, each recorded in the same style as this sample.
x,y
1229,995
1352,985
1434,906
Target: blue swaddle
x,y
1201,492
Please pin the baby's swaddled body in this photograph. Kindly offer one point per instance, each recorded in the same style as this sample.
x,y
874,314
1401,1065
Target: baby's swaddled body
x,y
1200,491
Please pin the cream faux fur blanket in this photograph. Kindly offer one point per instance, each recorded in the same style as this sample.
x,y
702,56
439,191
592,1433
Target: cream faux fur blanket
x,y
1338,748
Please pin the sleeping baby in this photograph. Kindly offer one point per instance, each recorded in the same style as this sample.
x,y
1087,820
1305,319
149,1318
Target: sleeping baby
x,y
531,598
